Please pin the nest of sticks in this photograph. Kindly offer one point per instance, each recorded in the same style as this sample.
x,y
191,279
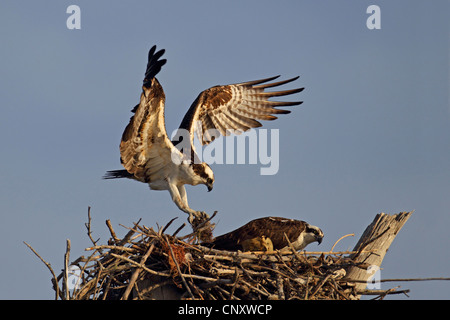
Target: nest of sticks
x,y
151,264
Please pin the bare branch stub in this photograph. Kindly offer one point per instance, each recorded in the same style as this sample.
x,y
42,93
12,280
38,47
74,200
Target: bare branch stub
x,y
378,236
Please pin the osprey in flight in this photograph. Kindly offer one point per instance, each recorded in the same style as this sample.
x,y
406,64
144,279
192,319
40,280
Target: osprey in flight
x,y
148,154
268,233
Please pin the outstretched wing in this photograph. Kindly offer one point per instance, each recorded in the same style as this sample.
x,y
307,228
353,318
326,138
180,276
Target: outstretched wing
x,y
235,108
145,149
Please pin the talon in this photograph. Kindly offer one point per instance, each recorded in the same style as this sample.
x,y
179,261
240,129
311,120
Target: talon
x,y
203,215
191,218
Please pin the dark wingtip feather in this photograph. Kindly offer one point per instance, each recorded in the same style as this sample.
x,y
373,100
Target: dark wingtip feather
x,y
275,84
255,82
154,64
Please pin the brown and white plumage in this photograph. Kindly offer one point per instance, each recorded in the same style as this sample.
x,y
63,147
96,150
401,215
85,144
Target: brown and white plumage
x,y
299,233
260,243
235,108
149,156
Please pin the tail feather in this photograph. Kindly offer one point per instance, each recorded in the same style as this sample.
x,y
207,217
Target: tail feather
x,y
115,174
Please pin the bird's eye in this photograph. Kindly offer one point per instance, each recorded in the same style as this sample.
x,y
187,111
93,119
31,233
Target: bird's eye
x,y
209,180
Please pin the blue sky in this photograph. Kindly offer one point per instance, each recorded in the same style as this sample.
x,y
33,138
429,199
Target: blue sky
x,y
373,133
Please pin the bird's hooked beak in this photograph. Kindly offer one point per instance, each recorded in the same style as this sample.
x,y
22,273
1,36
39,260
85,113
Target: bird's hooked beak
x,y
319,238
209,186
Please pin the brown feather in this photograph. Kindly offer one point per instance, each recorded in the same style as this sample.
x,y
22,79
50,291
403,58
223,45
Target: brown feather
x,y
262,243
144,141
270,227
275,84
236,107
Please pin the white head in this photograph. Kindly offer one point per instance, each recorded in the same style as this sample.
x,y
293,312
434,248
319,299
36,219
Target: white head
x,y
309,235
312,234
204,175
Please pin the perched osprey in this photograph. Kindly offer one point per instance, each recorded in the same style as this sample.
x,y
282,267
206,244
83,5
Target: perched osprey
x,y
299,233
148,154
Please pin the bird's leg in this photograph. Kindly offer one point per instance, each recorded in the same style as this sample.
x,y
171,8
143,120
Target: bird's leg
x,y
200,215
184,200
179,196
183,195
178,199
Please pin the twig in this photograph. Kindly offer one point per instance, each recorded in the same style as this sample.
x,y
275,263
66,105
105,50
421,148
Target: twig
x,y
178,268
255,289
129,234
178,230
88,227
54,280
236,280
115,248
333,284
400,279
382,293
97,278
106,291
136,272
347,235
291,246
279,281
307,288
337,253
141,266
167,225
111,231
320,285
66,271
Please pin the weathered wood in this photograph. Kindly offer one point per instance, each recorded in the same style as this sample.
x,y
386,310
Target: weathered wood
x,y
377,237
66,271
